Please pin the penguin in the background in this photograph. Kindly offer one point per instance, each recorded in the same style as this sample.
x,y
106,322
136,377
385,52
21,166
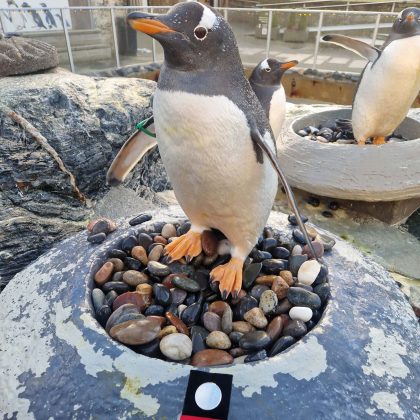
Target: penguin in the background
x,y
390,81
265,81
49,18
61,20
16,18
35,16
214,138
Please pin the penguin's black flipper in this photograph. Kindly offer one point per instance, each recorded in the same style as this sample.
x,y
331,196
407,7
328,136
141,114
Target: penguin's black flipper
x,y
358,47
258,140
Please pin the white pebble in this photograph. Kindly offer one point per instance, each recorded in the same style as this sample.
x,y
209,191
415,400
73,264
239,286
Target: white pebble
x,y
297,250
224,247
176,346
181,309
301,313
308,272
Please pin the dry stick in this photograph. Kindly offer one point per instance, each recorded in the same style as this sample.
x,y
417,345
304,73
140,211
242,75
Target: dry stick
x,y
43,142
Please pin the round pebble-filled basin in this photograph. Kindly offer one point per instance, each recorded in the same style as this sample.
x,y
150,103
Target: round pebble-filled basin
x,y
386,172
359,361
175,312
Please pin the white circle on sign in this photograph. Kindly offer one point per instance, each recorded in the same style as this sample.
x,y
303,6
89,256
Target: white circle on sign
x,y
208,396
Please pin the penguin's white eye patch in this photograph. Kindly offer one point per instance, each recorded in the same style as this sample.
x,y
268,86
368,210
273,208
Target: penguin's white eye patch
x,y
200,32
267,69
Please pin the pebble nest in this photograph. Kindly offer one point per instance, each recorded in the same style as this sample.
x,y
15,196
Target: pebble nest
x,y
172,311
338,131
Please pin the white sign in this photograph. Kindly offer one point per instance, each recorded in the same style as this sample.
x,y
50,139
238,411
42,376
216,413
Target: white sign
x,y
47,19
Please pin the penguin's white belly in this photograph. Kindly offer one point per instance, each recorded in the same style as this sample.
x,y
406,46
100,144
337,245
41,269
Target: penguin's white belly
x,y
207,151
277,111
387,89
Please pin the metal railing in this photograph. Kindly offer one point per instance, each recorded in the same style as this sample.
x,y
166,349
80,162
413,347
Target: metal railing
x,y
322,14
306,4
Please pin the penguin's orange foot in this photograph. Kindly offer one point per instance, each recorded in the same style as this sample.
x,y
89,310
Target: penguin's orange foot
x,y
188,246
361,142
379,140
229,277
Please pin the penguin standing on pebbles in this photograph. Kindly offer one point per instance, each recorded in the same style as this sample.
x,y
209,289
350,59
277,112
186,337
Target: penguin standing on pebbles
x,y
265,81
390,81
213,136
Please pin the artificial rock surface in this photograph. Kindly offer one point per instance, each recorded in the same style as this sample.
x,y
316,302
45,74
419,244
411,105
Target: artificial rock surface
x,y
360,361
85,120
19,55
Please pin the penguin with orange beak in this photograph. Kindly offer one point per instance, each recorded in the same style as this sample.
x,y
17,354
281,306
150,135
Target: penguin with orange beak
x,y
390,81
265,81
213,136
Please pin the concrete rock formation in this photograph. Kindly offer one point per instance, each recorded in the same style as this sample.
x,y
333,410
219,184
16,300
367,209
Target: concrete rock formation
x,y
79,120
19,55
360,361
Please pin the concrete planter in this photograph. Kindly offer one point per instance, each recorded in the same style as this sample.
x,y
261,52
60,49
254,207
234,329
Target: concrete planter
x,y
360,361
368,173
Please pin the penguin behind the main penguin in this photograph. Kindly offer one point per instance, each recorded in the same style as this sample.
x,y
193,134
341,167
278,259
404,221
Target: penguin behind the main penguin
x,y
265,81
211,132
390,81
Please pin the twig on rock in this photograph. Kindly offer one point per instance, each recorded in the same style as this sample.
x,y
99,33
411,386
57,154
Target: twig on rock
x,y
43,142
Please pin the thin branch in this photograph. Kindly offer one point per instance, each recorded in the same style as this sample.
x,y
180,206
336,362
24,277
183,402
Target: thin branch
x,y
43,142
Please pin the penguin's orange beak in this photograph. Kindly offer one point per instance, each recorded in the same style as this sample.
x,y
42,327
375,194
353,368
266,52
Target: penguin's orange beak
x,y
147,24
288,65
410,17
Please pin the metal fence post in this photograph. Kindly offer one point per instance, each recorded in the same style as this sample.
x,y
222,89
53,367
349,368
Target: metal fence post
x,y
153,43
114,36
347,6
269,24
318,39
225,14
67,38
375,30
393,7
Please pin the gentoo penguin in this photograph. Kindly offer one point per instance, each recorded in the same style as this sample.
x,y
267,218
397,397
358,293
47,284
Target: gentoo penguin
x,y
49,18
390,81
214,138
17,18
265,81
35,16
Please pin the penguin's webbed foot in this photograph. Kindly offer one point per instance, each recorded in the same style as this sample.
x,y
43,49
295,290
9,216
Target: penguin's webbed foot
x,y
188,246
229,276
379,140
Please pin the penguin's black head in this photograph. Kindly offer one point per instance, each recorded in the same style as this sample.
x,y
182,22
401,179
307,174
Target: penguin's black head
x,y
407,22
270,71
193,36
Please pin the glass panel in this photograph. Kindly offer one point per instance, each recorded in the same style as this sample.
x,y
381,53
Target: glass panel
x,y
293,37
385,25
251,39
93,49
41,24
335,58
135,47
